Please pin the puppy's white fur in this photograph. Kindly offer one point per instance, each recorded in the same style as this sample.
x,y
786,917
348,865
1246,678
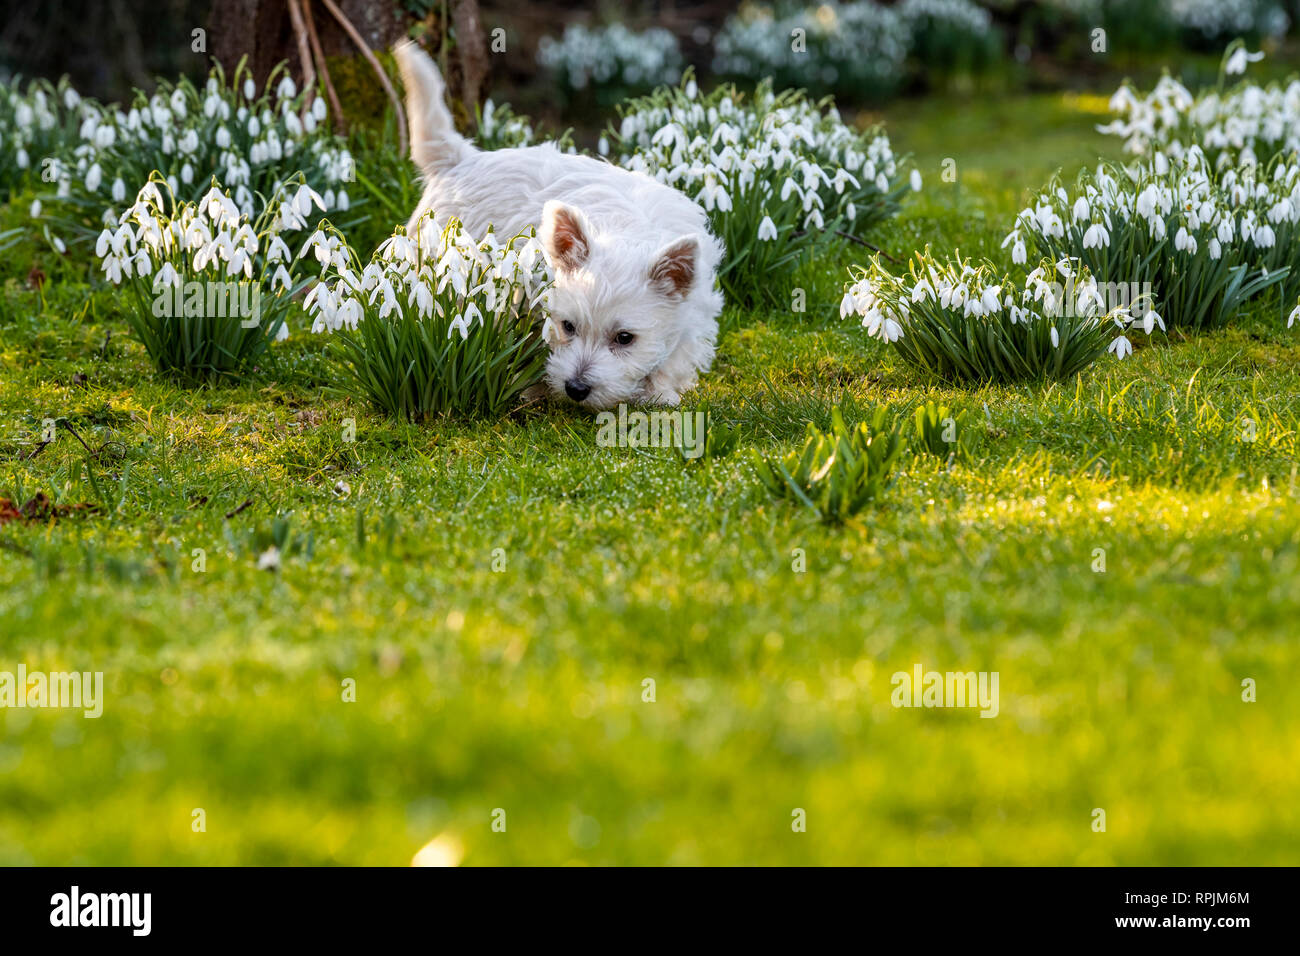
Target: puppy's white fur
x,y
630,255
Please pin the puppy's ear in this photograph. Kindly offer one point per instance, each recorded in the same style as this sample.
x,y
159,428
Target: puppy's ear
x,y
563,236
672,272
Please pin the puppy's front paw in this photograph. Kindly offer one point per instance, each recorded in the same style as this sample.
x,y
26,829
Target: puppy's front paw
x,y
666,390
657,392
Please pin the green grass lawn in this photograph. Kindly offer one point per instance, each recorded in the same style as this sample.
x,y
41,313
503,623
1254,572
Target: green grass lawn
x,y
499,593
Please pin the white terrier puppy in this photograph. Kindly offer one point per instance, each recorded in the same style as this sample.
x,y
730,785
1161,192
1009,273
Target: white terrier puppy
x,y
635,305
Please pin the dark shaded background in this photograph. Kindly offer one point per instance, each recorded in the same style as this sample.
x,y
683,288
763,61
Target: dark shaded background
x,y
109,47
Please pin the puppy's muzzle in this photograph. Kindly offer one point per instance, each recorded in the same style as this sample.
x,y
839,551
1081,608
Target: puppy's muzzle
x,y
577,389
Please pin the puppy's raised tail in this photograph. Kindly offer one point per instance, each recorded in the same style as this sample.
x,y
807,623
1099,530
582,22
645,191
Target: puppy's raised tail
x,y
435,144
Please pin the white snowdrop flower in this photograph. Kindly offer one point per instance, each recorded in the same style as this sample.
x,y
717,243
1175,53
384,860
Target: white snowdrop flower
x,y
303,199
35,211
1185,242
848,306
118,190
459,324
915,180
94,176
250,89
318,110
269,560
1264,236
1120,347
1097,236
341,201
22,159
1080,211
1150,319
187,174
286,90
166,276
1146,202
1216,250
1056,338
1295,314
767,229
1237,61
149,194
990,300
113,270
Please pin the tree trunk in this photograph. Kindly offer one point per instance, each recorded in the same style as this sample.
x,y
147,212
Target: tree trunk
x,y
262,30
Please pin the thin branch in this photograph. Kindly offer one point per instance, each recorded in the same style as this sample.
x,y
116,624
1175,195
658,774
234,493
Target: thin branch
x,y
247,504
853,238
384,81
863,242
322,67
304,55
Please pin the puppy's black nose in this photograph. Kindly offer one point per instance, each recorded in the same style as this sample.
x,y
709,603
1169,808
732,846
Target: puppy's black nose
x,y
576,390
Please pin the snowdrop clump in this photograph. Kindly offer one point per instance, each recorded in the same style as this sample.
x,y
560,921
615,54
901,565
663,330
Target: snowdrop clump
x,y
249,140
965,322
209,288
1244,125
777,173
1205,242
437,322
34,123
499,127
1214,19
612,56
949,36
855,48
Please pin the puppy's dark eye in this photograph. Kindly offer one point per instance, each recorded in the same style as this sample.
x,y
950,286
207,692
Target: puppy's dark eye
x,y
624,338
568,327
